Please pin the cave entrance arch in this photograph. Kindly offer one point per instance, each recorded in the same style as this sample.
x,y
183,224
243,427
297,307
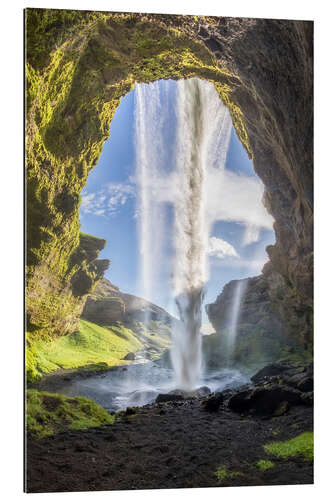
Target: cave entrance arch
x,y
79,64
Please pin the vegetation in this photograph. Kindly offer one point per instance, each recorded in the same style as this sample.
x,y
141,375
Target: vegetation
x,y
264,465
47,413
222,473
92,347
300,445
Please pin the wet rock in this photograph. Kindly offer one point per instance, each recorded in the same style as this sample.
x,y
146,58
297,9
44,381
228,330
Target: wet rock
x,y
305,384
266,401
200,392
300,381
213,402
241,401
130,356
130,411
281,409
164,398
307,398
271,370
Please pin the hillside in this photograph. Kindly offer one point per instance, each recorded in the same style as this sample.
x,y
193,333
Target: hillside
x,y
111,333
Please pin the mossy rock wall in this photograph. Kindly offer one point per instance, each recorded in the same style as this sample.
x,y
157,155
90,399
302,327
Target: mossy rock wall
x,y
79,64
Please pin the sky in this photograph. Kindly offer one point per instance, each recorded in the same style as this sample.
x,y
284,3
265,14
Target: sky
x,y
240,229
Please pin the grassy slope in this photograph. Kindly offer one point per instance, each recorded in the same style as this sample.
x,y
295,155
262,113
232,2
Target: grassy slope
x,y
91,345
50,413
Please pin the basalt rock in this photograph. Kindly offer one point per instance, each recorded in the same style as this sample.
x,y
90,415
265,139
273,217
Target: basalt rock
x,y
213,402
79,65
272,325
265,401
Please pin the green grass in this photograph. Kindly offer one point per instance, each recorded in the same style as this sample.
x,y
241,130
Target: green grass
x,y
92,346
222,473
48,413
264,465
300,445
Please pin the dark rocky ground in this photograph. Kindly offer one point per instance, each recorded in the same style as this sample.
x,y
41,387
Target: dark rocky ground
x,y
181,444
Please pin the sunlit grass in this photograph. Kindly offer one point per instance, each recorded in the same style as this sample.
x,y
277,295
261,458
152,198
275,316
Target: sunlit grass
x,y
222,473
264,464
92,345
300,445
47,413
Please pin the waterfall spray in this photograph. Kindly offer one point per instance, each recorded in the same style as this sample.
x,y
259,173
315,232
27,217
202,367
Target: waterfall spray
x,y
149,150
204,128
190,235
237,299
202,134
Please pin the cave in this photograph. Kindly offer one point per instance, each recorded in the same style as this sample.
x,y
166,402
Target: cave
x,y
88,425
79,65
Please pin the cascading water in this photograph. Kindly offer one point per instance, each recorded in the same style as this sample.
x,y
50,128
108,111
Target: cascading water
x,y
175,213
202,134
149,154
235,311
190,233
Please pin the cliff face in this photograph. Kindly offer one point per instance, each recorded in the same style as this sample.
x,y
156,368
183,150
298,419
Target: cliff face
x,y
79,64
151,324
107,304
264,332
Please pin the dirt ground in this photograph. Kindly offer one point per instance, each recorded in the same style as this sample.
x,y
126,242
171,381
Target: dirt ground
x,y
168,445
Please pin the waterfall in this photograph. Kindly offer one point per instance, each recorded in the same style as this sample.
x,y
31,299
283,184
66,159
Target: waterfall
x,y
236,305
202,128
149,149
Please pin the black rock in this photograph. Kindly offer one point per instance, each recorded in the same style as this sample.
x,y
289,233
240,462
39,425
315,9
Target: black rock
x,y
306,384
130,411
266,401
130,356
164,398
270,371
213,402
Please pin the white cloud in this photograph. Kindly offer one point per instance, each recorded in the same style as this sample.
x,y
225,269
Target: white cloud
x,y
107,201
220,248
237,198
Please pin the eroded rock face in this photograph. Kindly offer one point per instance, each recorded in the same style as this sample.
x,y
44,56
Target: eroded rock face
x,y
273,322
107,304
79,66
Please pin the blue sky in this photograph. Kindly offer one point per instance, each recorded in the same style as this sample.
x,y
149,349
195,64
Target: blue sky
x,y
108,210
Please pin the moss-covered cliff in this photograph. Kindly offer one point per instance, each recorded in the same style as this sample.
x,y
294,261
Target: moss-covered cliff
x,y
79,64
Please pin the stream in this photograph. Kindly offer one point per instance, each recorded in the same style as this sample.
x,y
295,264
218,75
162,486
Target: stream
x,y
140,383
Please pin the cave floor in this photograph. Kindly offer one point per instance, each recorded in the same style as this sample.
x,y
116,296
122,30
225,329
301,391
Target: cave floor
x,y
170,445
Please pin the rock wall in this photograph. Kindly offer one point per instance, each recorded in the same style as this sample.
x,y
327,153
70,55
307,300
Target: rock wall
x,y
107,304
79,64
264,332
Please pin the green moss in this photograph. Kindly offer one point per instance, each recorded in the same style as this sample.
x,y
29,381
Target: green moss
x,y
264,465
222,474
300,445
78,66
47,413
92,347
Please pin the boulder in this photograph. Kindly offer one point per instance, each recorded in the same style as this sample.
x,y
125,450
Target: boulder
x,y
271,370
213,402
130,356
165,398
200,392
265,401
